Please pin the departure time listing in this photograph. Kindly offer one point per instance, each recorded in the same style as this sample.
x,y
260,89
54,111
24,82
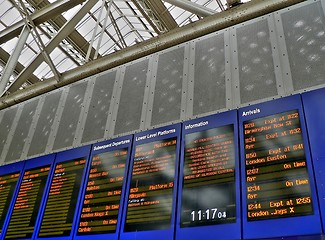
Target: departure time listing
x,y
151,194
101,202
8,183
277,180
62,199
23,219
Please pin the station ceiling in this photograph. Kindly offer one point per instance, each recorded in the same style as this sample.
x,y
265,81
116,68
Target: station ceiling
x,y
41,39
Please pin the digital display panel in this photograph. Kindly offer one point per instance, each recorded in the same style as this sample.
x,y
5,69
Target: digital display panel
x,y
101,203
8,184
277,180
150,198
209,194
62,199
27,204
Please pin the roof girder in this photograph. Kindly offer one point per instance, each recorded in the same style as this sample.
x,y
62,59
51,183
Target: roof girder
x,y
52,44
38,17
74,39
192,7
4,58
161,12
211,24
150,19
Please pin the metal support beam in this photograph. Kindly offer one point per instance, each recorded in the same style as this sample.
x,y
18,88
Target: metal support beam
x,y
38,17
162,13
138,17
54,42
150,19
95,30
127,21
108,33
4,58
13,60
222,8
197,29
103,27
75,43
32,28
117,30
192,7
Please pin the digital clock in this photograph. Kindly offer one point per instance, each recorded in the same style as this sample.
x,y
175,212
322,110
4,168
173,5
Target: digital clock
x,y
209,178
208,214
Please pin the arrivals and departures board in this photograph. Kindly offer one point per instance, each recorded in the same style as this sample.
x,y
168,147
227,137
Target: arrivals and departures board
x,y
8,184
277,180
101,204
62,199
23,219
150,198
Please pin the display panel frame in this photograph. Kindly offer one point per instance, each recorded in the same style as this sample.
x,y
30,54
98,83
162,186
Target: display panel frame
x,y
38,162
104,147
313,103
145,137
287,226
226,230
8,169
62,157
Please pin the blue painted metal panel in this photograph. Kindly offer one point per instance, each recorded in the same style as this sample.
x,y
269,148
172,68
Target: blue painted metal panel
x,y
210,166
276,220
29,199
112,158
10,176
314,102
58,216
150,205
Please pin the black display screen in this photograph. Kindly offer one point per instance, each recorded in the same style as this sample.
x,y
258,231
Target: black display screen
x,y
277,180
24,215
102,197
209,194
8,184
151,191
62,199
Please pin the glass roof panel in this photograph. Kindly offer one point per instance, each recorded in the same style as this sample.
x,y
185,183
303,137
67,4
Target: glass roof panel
x,y
8,14
120,24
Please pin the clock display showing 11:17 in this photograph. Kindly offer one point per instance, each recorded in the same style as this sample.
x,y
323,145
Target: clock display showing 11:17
x,y
208,214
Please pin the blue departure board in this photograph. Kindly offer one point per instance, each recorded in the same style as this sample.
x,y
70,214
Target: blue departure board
x,y
149,209
277,176
102,200
23,219
9,178
63,196
209,194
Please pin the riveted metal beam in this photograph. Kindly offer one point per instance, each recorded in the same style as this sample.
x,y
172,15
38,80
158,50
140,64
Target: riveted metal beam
x,y
38,17
177,36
